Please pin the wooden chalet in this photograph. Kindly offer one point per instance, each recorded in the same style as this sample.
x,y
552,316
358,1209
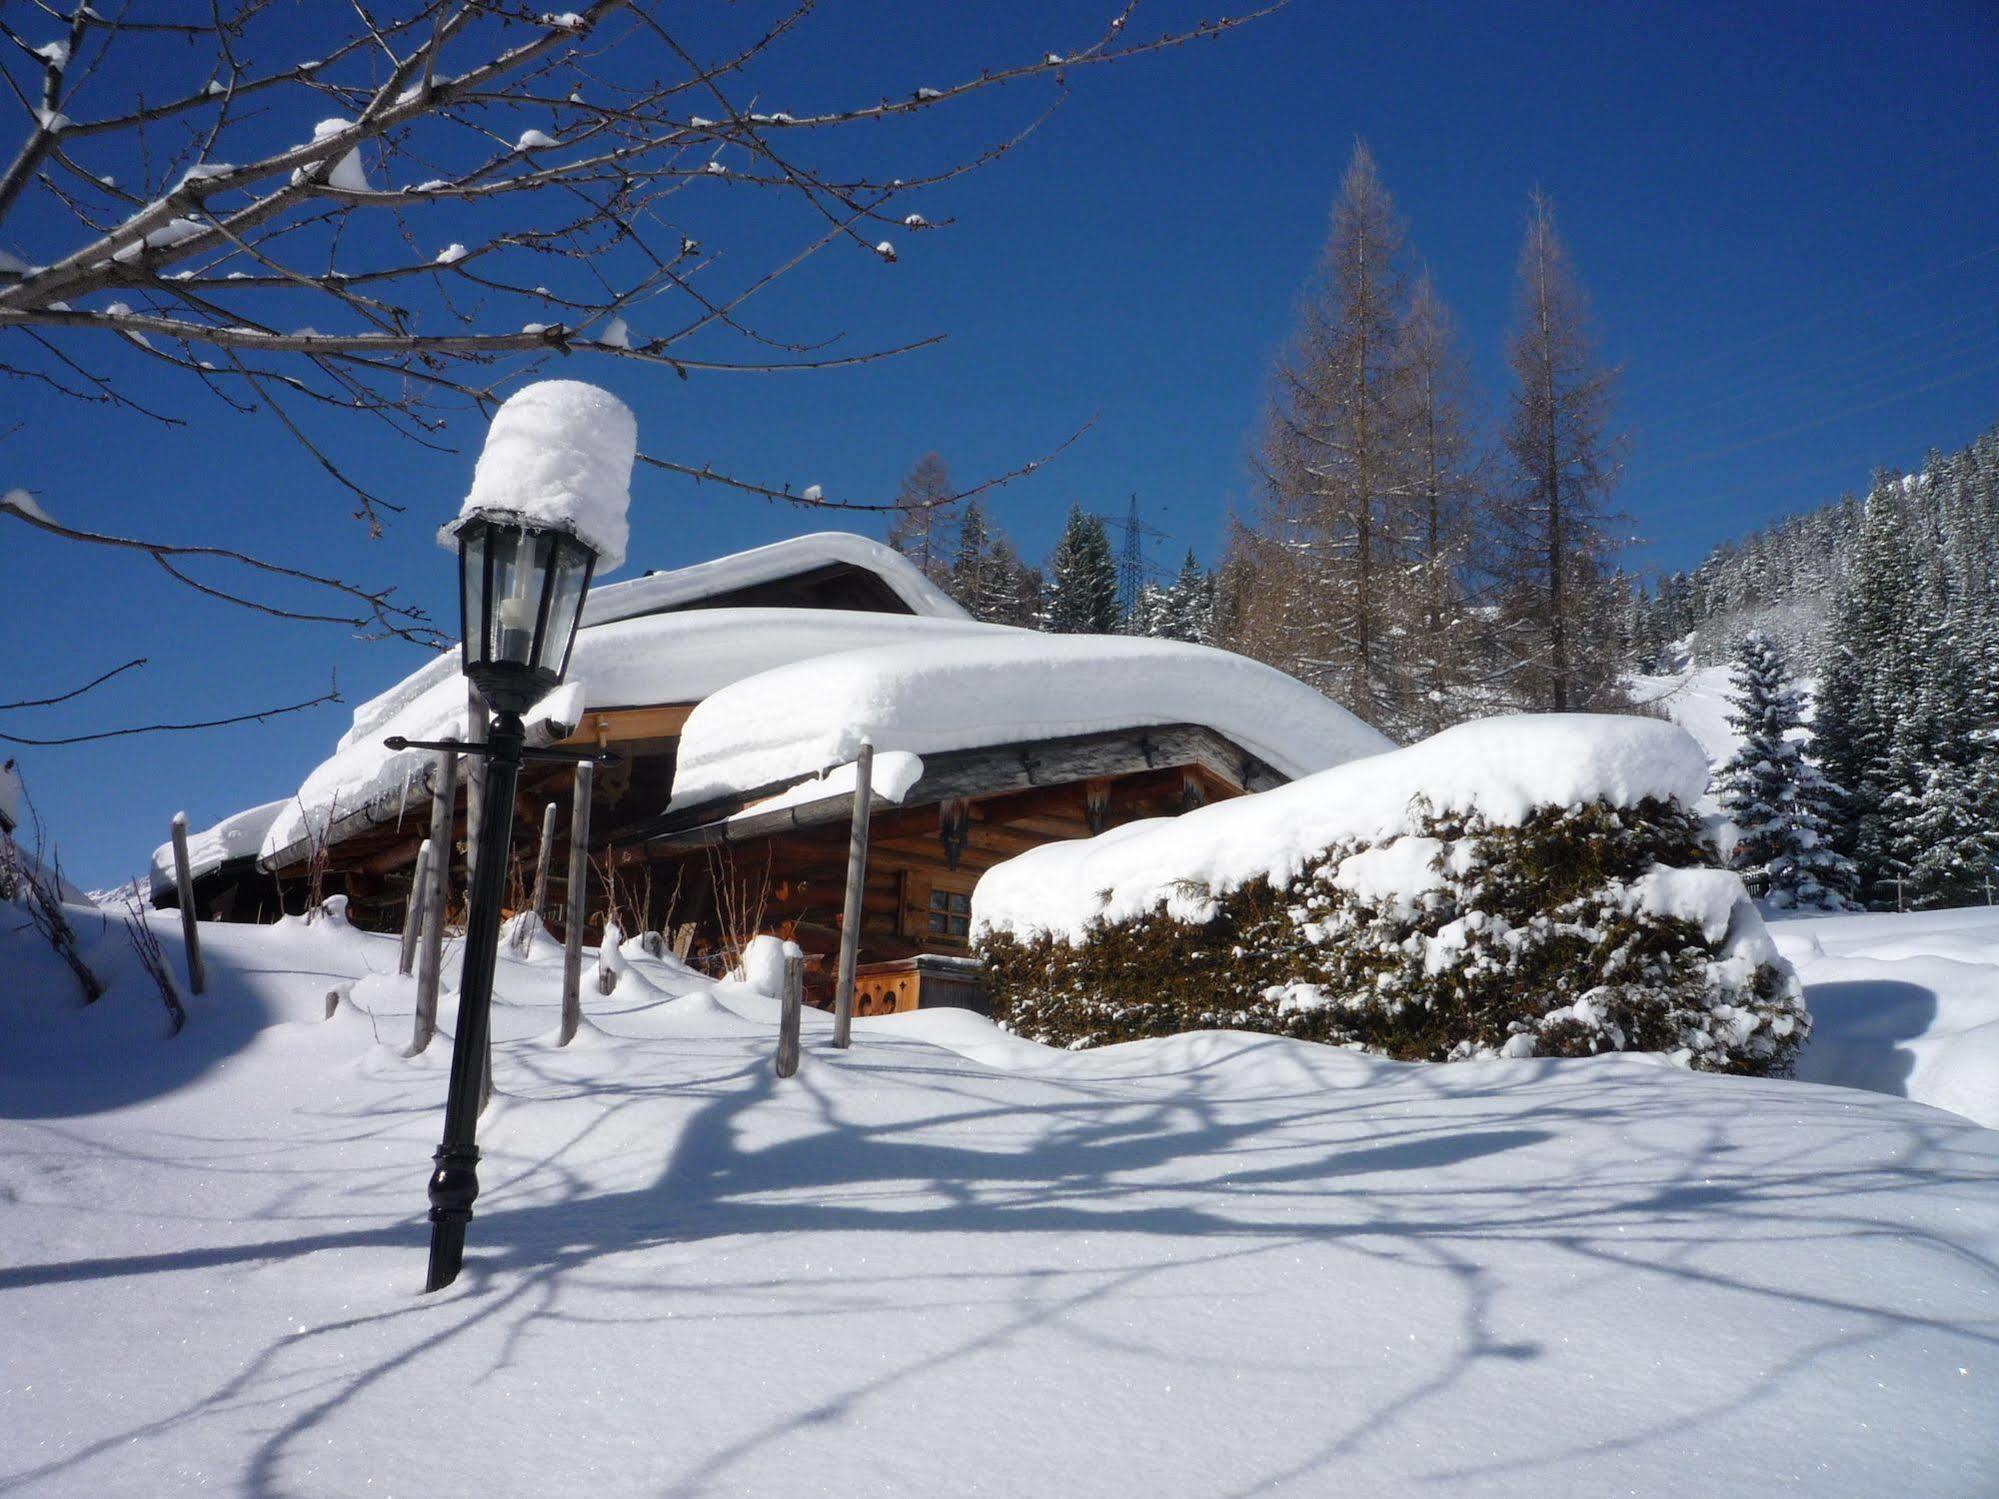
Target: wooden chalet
x,y
710,873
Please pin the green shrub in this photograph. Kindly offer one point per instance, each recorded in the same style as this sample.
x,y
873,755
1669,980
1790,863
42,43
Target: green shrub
x,y
1578,931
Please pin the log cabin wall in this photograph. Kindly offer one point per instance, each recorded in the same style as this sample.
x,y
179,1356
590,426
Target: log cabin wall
x,y
922,864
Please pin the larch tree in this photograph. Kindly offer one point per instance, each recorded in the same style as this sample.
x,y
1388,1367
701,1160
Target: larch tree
x,y
1332,535
924,520
1551,514
385,217
1446,476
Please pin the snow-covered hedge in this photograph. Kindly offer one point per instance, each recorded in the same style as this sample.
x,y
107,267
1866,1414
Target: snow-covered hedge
x,y
1533,886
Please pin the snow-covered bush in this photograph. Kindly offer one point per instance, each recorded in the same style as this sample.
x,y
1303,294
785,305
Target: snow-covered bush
x,y
1468,916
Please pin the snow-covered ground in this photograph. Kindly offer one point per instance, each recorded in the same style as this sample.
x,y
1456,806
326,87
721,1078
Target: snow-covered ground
x,y
1903,1004
948,1261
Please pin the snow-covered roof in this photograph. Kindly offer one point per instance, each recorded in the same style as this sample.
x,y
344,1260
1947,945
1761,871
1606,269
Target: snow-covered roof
x,y
1502,768
238,836
685,586
654,658
999,687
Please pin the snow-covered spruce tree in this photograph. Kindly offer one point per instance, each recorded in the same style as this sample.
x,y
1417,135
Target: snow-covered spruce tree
x,y
1081,595
1782,805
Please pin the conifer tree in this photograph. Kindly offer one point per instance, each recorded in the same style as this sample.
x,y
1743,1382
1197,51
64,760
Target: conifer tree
x,y
1442,519
1081,596
1336,467
1552,516
922,524
1780,802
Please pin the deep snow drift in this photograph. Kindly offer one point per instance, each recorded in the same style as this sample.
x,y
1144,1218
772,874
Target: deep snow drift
x,y
950,1261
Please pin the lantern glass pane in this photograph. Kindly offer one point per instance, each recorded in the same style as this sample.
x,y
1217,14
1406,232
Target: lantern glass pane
x,y
520,560
572,571
471,578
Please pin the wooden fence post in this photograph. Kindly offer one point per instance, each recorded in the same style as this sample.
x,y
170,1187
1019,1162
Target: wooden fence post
x,y
857,878
579,880
443,813
413,911
197,974
792,1004
540,876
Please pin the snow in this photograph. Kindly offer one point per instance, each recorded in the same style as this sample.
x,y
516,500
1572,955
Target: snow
x,y
813,493
348,173
949,1259
559,456
10,796
1001,687
1501,768
451,254
1903,1004
26,504
238,836
890,778
656,658
170,233
767,564
617,334
534,140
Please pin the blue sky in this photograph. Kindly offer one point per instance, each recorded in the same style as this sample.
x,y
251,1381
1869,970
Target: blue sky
x,y
1784,213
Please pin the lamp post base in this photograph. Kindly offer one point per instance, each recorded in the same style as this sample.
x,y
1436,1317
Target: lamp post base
x,y
453,1187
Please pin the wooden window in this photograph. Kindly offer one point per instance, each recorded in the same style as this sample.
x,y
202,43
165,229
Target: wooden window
x,y
950,915
937,907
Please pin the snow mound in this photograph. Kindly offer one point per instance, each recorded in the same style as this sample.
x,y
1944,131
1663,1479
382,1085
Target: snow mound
x,y
1501,768
1003,687
781,559
558,455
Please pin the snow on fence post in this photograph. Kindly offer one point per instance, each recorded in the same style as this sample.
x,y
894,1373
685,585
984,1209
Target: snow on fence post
x,y
857,878
578,889
413,910
197,975
540,877
792,1004
443,812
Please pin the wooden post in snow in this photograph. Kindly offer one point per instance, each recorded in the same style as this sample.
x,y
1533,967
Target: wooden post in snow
x,y
540,875
857,878
413,912
579,880
197,974
792,1004
443,813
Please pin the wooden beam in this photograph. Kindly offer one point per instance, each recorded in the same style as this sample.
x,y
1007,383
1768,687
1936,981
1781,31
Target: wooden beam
x,y
606,726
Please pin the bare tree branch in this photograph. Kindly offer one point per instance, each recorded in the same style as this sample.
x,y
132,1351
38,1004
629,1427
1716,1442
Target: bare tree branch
x,y
74,692
331,695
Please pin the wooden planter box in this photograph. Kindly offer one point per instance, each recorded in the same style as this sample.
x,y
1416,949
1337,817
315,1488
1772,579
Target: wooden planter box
x,y
926,982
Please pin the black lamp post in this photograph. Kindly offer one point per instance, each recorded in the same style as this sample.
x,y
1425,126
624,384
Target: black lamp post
x,y
521,588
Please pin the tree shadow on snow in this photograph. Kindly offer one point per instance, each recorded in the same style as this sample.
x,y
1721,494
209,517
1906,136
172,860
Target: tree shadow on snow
x,y
1214,1177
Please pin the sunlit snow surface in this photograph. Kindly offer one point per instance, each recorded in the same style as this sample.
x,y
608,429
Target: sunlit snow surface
x,y
950,1261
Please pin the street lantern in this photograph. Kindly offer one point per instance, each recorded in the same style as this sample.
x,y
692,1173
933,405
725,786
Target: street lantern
x,y
521,590
547,507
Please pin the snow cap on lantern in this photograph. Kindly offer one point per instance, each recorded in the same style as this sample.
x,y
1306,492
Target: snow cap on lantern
x,y
558,457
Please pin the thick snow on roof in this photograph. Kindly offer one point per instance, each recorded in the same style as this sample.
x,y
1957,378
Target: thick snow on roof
x,y
558,455
781,559
658,658
235,837
1501,767
1000,687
